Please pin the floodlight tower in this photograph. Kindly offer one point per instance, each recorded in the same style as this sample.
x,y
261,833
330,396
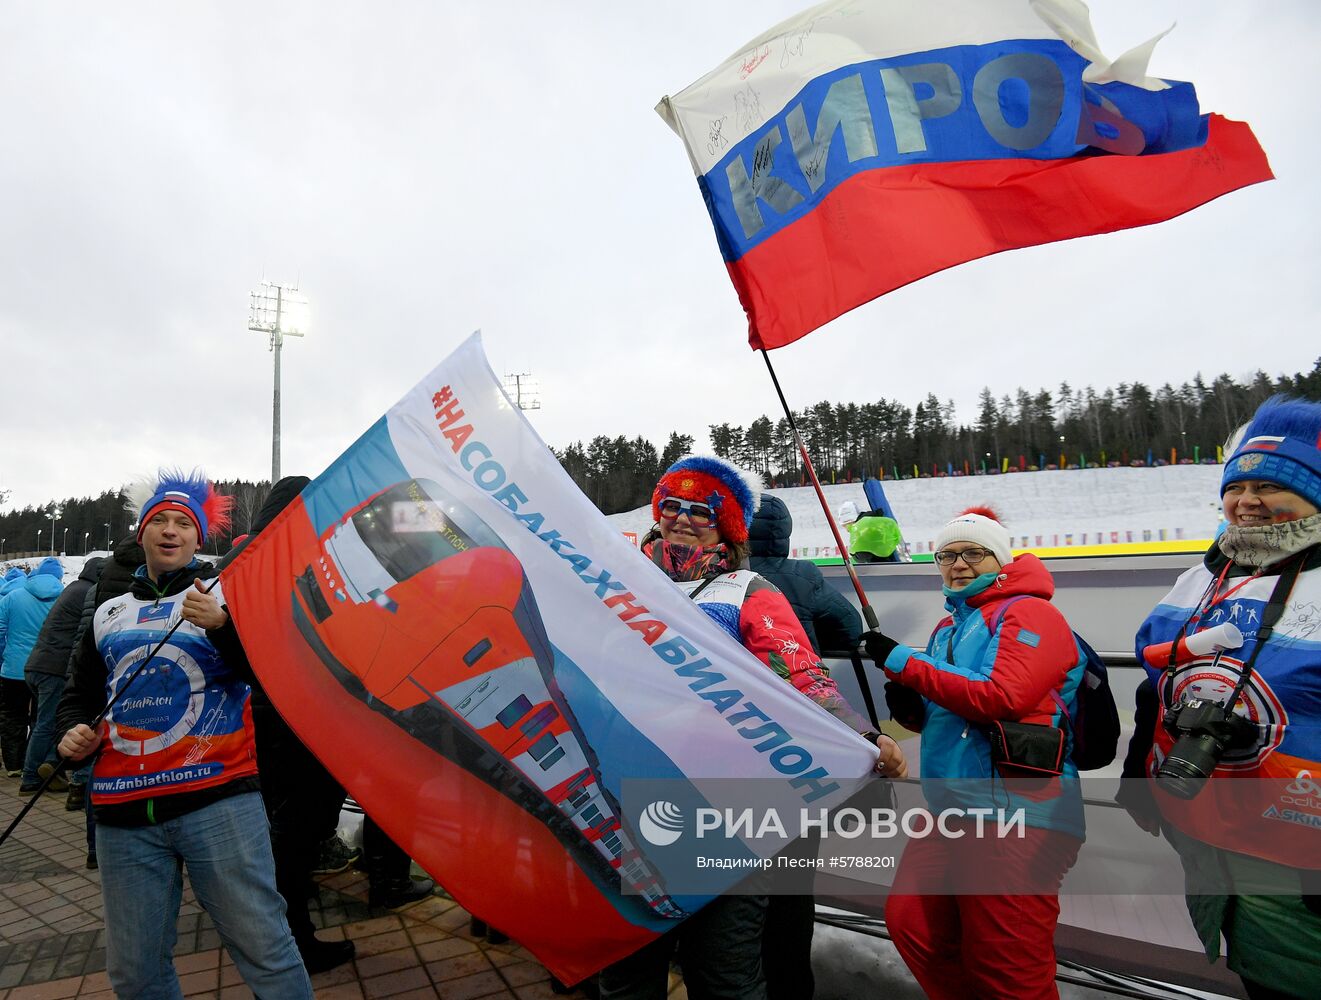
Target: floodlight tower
x,y
523,390
278,311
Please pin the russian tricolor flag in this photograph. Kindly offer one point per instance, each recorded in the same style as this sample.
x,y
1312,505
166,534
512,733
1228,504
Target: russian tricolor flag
x,y
867,143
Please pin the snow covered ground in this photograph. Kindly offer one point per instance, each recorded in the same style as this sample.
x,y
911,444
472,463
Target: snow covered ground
x,y
1086,507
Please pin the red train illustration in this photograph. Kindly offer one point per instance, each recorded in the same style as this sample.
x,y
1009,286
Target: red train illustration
x,y
415,606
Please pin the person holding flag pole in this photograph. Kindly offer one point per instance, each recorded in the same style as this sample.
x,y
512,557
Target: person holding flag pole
x,y
864,144
175,781
703,506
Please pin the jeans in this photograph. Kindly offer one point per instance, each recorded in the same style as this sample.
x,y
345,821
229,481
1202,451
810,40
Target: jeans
x,y
227,850
46,689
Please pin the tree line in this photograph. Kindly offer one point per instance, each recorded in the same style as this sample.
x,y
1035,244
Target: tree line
x,y
77,525
1129,424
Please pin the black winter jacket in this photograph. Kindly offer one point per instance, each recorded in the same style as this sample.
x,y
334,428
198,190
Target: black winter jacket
x,y
829,620
60,631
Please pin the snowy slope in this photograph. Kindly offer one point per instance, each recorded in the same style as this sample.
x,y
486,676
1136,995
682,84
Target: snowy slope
x,y
1182,500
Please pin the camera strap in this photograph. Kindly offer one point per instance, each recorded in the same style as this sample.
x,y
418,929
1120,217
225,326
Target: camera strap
x,y
1284,585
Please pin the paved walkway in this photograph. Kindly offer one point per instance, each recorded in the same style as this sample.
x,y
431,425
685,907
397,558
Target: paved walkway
x,y
52,944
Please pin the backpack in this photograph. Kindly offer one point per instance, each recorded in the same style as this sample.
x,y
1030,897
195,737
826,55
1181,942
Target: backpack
x,y
1095,724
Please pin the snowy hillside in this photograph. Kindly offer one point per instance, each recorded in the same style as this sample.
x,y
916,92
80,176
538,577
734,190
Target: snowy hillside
x,y
1061,508
1182,501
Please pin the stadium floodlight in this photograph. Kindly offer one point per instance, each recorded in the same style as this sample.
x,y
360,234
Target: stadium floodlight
x,y
55,514
523,391
85,536
107,536
278,311
64,542
2,547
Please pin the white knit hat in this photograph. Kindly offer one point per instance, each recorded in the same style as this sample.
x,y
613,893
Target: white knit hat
x,y
847,513
982,526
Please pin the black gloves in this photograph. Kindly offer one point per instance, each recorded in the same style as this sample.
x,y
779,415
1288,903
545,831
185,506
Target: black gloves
x,y
878,645
905,705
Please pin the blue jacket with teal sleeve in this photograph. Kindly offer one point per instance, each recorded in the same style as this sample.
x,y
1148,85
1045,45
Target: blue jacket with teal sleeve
x,y
22,613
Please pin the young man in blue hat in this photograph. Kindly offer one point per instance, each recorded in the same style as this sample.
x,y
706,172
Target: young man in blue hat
x,y
175,784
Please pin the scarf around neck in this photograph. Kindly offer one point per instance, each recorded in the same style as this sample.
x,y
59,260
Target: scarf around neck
x,y
684,563
1267,544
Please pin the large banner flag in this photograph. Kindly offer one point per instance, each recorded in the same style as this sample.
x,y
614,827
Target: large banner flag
x,y
482,659
867,143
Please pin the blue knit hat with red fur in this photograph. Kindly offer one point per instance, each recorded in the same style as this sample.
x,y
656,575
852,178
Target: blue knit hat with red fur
x,y
1281,445
193,494
733,493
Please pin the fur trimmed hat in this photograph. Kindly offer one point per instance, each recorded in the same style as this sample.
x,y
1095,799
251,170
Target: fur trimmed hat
x,y
193,494
982,526
733,493
1280,444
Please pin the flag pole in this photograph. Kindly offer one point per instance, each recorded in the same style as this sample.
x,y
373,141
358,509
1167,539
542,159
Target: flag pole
x,y
868,612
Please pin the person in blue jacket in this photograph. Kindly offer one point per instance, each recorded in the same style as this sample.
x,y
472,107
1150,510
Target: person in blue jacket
x,y
22,613
14,577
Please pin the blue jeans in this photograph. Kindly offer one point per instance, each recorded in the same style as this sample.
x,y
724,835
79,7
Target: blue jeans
x,y
226,848
46,689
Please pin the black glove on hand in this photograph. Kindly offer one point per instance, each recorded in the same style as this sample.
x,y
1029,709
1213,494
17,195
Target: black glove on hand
x,y
878,645
905,705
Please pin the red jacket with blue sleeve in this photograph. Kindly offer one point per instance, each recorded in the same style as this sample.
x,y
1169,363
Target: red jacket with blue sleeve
x,y
983,664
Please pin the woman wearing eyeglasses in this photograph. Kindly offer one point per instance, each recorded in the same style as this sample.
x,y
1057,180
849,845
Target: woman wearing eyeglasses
x,y
703,507
1003,654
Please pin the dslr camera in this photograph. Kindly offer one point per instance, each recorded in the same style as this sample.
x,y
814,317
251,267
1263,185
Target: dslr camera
x,y
1203,731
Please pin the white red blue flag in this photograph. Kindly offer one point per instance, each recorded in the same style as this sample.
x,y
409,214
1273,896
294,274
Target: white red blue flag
x,y
867,143
484,662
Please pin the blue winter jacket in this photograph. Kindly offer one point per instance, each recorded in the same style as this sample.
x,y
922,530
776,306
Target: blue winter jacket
x,y
22,614
12,581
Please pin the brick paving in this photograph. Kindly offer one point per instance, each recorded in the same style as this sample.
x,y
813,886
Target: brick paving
x,y
52,942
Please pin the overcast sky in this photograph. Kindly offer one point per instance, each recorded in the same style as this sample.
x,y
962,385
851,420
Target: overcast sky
x,y
425,169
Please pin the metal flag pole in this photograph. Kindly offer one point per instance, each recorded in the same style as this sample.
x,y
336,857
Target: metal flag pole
x,y
868,612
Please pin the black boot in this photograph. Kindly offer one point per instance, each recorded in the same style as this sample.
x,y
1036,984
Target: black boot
x,y
388,871
481,929
318,956
392,892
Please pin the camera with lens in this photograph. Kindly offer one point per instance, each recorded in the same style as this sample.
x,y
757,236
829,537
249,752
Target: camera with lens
x,y
1203,731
